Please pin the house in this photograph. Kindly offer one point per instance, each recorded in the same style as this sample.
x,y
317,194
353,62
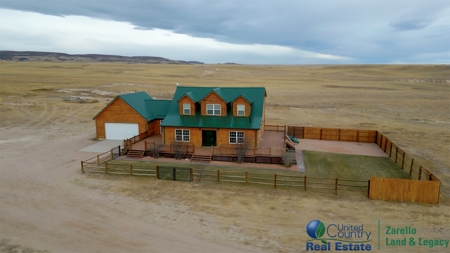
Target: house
x,y
199,116
128,115
210,116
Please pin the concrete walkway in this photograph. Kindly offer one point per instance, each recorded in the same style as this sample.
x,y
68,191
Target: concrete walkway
x,y
299,158
102,146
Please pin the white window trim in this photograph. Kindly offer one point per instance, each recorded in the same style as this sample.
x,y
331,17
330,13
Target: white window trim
x,y
243,110
186,106
184,133
236,137
215,107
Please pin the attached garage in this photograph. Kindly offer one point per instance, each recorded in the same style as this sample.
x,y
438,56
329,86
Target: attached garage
x,y
130,114
121,131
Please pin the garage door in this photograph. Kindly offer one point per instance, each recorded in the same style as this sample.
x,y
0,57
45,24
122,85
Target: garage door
x,y
120,131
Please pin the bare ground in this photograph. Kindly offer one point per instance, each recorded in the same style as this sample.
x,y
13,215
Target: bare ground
x,y
47,205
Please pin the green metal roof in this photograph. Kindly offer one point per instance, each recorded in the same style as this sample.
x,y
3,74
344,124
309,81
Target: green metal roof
x,y
255,96
247,97
144,104
158,108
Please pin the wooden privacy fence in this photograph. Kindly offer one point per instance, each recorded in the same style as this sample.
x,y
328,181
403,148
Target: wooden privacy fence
x,y
98,160
404,160
277,128
332,134
404,190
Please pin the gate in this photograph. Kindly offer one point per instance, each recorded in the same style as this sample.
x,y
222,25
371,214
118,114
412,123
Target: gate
x,y
174,173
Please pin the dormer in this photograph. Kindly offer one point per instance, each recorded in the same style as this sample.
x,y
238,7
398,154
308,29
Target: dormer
x,y
242,106
214,104
187,104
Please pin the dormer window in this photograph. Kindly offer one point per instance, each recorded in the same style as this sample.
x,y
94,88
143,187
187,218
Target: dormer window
x,y
186,108
240,110
213,109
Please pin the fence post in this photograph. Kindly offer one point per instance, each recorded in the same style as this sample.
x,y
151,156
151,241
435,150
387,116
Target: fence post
x,y
106,168
119,150
131,169
420,172
174,174
82,167
335,186
191,175
396,154
403,160
275,181
390,150
218,176
410,170
368,189
98,160
304,183
246,178
157,172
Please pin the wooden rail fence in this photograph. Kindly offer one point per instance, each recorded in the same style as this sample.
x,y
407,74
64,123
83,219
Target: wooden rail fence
x,y
128,143
281,180
100,159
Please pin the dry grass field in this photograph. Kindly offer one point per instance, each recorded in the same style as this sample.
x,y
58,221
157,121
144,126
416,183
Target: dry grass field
x,y
46,117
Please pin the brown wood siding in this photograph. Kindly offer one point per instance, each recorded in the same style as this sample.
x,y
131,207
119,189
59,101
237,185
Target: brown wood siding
x,y
213,98
118,112
186,100
222,136
155,125
241,101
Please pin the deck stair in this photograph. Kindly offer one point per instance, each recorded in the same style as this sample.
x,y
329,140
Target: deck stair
x,y
201,158
135,153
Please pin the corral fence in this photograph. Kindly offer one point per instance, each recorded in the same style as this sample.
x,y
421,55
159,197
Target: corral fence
x,y
277,180
99,160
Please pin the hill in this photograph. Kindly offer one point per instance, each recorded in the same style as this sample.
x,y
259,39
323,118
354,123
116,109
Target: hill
x,y
61,57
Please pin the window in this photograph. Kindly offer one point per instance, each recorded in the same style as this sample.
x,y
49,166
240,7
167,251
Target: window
x,y
182,135
236,137
186,108
240,110
213,109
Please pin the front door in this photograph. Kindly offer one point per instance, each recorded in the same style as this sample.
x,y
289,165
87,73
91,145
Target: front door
x,y
208,138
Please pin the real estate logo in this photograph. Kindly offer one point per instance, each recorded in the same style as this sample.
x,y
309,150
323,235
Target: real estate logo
x,y
345,237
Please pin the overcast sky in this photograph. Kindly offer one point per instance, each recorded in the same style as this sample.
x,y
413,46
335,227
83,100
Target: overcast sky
x,y
241,31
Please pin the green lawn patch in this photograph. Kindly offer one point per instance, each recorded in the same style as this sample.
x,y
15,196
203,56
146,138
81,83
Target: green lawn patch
x,y
356,167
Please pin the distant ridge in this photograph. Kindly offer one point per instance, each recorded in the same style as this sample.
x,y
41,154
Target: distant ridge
x,y
61,57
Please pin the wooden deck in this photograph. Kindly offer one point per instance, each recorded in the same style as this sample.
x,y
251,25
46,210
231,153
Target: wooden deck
x,y
268,139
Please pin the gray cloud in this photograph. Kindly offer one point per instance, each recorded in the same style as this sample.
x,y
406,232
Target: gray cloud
x,y
369,31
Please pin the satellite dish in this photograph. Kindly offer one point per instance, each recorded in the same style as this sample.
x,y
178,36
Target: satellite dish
x,y
177,84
